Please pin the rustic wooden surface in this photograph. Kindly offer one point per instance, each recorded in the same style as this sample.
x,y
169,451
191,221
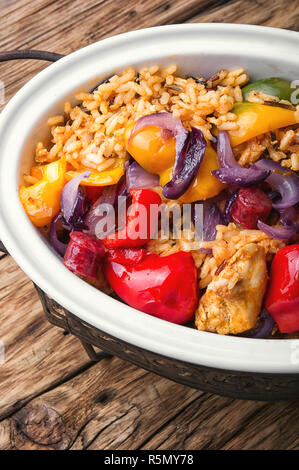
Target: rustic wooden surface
x,y
51,395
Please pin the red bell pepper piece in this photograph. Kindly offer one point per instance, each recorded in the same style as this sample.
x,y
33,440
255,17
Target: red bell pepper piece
x,y
84,255
282,299
165,287
128,256
139,227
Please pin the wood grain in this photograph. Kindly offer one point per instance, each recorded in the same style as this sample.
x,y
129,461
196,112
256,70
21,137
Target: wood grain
x,y
109,405
64,26
51,395
37,355
275,13
214,423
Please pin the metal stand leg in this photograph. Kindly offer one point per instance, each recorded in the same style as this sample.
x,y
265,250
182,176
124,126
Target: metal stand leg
x,y
92,354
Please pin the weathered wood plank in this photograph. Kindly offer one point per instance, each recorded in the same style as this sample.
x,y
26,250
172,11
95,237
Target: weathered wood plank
x,y
277,427
111,405
64,26
11,278
275,13
85,22
213,422
37,355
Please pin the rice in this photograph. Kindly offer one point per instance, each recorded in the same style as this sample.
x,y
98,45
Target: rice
x,y
91,134
281,146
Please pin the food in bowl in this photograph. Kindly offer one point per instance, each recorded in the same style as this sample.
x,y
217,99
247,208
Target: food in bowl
x,y
149,143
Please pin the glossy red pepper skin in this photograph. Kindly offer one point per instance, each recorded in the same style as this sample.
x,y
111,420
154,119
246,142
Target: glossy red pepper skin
x,y
84,255
142,201
282,299
251,205
128,256
165,287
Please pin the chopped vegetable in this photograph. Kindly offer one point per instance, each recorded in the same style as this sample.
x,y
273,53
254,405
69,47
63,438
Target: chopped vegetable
x,y
212,217
230,171
96,178
153,133
271,86
102,207
72,202
186,166
165,122
285,181
58,246
228,205
264,327
140,223
204,185
41,201
128,256
289,226
155,151
255,119
165,287
282,298
137,177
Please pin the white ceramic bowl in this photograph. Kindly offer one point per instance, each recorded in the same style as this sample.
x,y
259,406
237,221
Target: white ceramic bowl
x,y
197,49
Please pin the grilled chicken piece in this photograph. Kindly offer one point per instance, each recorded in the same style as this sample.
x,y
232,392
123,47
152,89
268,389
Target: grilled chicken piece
x,y
233,299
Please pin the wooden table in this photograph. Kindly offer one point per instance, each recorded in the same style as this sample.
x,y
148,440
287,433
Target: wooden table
x,y
51,395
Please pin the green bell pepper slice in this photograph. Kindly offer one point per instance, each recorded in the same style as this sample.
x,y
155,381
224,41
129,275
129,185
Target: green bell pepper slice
x,y
274,86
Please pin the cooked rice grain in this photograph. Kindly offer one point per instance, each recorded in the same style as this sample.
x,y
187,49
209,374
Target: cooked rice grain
x,y
94,130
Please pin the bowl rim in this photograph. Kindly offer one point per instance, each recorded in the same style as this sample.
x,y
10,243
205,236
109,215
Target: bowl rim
x,y
89,304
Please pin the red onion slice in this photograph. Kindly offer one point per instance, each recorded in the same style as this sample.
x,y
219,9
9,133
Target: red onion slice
x,y
95,215
230,172
284,180
187,166
71,201
288,229
228,205
241,176
212,217
279,233
167,122
57,244
137,177
226,157
264,328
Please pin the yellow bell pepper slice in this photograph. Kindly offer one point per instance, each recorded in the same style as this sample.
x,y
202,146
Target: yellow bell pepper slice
x,y
157,155
205,185
153,152
256,119
41,200
37,171
99,178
